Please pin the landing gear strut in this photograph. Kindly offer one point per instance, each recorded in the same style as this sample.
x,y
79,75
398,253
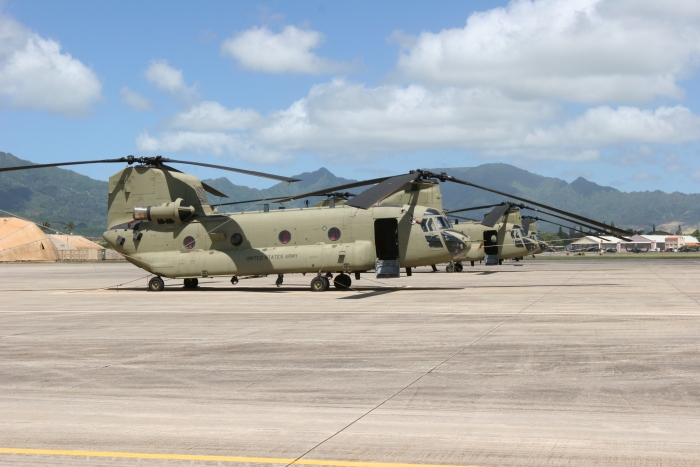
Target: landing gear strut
x,y
234,280
280,279
191,283
156,284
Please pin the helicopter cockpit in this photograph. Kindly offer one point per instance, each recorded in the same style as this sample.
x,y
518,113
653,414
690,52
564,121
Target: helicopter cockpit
x,y
437,229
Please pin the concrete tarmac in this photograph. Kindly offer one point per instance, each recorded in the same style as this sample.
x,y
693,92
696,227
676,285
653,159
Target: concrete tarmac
x,y
537,363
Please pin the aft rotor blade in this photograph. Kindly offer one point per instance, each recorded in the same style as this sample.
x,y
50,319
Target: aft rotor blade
x,y
495,214
245,202
526,224
58,164
582,224
474,208
323,191
232,169
372,196
560,211
207,188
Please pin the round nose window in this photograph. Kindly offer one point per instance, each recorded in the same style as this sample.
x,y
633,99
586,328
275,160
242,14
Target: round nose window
x,y
188,242
334,234
236,239
285,236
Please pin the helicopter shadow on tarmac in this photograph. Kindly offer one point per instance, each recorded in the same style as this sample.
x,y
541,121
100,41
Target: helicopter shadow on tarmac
x,y
357,293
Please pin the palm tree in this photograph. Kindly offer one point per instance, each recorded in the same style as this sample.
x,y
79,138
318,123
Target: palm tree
x,y
45,226
70,227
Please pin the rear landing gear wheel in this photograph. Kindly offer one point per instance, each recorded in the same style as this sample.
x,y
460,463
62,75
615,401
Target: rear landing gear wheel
x,y
472,263
342,282
280,279
450,267
459,267
156,284
319,284
234,280
191,283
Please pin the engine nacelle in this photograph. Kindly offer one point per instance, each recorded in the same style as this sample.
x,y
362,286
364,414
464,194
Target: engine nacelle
x,y
175,212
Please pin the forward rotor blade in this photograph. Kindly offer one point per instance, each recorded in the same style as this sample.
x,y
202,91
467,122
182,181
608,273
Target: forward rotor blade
x,y
331,189
232,169
474,208
372,196
495,215
58,164
599,225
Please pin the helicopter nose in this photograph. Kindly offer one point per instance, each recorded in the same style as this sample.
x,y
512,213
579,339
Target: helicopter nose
x,y
457,243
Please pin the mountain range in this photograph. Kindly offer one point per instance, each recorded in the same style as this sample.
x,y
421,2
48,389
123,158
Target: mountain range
x,y
60,195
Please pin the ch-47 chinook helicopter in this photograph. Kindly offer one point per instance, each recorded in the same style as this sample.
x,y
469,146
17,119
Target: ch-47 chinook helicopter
x,y
160,220
499,236
507,234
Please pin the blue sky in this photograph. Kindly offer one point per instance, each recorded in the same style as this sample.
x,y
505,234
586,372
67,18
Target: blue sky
x,y
608,90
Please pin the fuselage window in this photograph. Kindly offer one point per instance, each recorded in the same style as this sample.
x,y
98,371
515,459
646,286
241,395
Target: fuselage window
x,y
433,241
236,239
334,234
188,243
285,237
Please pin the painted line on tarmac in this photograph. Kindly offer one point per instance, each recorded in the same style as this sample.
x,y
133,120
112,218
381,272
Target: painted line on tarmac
x,y
194,457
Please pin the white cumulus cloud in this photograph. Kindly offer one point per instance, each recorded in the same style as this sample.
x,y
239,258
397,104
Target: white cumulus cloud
x,y
290,51
570,50
135,101
170,80
212,116
36,75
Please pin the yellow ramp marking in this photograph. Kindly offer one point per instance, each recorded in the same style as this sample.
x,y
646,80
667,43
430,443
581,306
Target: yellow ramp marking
x,y
195,457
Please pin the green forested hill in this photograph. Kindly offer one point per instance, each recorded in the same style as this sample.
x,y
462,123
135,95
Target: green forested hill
x,y
59,196
54,195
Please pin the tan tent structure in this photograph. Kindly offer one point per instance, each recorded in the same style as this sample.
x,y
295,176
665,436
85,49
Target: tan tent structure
x,y
77,248
21,240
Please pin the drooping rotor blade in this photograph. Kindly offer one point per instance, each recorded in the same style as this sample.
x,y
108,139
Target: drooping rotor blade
x,y
599,225
464,218
474,208
58,164
246,201
371,196
207,188
590,234
582,224
526,224
323,191
495,215
232,169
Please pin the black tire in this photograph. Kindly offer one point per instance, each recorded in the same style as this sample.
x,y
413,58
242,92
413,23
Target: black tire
x,y
342,282
191,283
319,284
459,267
472,263
156,284
450,267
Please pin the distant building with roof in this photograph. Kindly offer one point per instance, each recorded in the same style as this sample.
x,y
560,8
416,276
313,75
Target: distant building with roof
x,y
659,242
603,242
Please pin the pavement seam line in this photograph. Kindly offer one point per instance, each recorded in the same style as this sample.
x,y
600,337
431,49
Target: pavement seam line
x,y
298,459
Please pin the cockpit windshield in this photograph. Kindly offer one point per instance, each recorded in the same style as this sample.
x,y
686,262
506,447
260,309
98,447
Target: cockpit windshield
x,y
443,222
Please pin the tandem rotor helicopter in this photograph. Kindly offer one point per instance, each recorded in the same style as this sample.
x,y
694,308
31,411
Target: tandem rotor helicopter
x,y
160,219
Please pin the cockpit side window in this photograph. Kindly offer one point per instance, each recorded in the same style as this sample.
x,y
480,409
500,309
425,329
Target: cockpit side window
x,y
431,212
427,225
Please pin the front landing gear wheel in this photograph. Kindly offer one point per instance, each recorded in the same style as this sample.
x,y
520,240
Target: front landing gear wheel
x,y
156,284
342,282
450,267
191,283
319,284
